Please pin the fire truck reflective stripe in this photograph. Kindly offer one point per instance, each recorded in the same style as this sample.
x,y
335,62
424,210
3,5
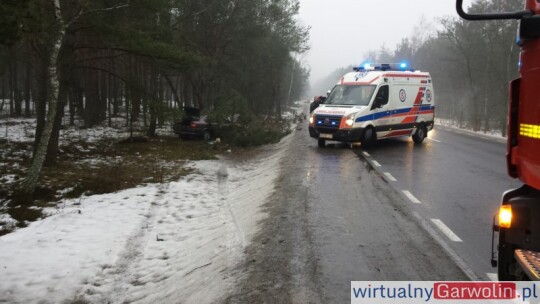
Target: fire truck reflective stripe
x,y
532,131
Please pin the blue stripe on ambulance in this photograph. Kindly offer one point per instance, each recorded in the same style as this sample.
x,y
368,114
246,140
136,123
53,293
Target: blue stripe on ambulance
x,y
385,114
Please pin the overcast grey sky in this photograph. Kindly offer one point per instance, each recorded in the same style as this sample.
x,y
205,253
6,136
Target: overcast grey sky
x,y
342,31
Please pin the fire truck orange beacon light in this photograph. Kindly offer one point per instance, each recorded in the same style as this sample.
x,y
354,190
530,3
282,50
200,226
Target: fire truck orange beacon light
x,y
505,216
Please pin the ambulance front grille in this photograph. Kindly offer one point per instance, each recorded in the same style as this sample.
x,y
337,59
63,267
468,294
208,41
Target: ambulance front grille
x,y
327,123
327,130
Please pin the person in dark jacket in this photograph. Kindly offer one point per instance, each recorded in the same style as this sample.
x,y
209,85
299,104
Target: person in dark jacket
x,y
317,100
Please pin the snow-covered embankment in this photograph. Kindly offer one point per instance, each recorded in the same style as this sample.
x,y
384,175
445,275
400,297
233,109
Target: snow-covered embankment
x,y
164,243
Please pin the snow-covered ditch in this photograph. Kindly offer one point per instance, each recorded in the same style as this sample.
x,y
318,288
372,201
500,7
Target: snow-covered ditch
x,y
166,243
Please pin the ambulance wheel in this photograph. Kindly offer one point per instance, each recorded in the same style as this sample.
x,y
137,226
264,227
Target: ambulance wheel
x,y
368,138
322,143
420,134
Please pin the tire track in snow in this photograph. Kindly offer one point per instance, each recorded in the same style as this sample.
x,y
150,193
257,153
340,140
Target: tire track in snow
x,y
132,252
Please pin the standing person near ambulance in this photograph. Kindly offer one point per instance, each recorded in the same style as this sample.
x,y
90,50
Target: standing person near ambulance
x,y
376,102
317,100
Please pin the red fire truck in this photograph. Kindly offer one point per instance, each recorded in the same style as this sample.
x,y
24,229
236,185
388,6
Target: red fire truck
x,y
518,220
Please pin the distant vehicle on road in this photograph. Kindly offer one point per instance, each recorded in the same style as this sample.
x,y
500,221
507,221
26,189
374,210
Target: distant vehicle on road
x,y
376,102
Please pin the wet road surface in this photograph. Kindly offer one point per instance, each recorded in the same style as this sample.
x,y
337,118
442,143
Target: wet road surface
x,y
331,220
455,178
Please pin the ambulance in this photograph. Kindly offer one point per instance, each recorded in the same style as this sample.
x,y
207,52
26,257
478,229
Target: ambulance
x,y
376,102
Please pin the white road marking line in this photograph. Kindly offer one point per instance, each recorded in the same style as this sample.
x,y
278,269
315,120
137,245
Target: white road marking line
x,y
390,177
376,163
430,228
411,197
366,154
434,140
444,229
492,276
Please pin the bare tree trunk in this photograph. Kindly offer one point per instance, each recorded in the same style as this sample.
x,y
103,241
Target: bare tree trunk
x,y
41,100
151,132
52,149
27,95
173,89
161,102
12,86
71,104
109,94
117,100
25,189
18,92
3,95
103,95
289,101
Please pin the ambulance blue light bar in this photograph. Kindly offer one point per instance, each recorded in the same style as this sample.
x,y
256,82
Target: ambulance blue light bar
x,y
402,66
366,66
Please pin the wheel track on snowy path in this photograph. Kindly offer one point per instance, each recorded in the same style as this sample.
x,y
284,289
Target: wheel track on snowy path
x,y
130,255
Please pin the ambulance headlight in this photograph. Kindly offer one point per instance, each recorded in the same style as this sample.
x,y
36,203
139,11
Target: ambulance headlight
x,y
311,119
350,120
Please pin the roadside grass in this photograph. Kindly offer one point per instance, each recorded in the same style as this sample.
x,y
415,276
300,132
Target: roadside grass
x,y
94,168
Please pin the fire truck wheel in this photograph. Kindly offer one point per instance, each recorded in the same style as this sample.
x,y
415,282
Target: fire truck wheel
x,y
420,134
322,143
369,137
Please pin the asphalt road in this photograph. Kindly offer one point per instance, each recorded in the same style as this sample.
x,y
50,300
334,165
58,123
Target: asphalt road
x,y
454,180
331,220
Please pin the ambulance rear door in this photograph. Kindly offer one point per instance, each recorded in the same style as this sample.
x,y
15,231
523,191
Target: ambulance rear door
x,y
404,112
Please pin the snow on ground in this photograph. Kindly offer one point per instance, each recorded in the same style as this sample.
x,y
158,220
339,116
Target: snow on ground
x,y
164,243
17,130
23,130
449,123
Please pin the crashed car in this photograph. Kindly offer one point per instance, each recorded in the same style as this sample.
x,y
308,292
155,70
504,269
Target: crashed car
x,y
193,125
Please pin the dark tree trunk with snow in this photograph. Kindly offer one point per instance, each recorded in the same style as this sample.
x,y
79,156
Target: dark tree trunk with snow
x,y
25,189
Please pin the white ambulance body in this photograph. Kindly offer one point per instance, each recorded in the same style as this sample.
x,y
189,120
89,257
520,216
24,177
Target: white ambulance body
x,y
367,105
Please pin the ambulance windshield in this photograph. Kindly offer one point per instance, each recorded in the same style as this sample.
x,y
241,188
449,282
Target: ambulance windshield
x,y
358,95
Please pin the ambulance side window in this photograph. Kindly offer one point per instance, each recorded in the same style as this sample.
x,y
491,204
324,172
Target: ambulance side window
x,y
381,98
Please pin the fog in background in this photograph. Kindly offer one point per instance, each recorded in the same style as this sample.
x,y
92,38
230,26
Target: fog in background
x,y
470,63
344,31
